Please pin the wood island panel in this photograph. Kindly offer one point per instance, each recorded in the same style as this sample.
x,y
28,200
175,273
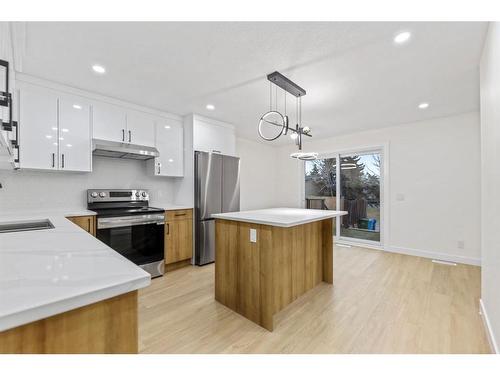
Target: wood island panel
x,y
258,279
109,326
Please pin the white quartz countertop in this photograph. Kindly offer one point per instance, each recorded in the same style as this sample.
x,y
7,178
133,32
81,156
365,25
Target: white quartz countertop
x,y
50,271
37,213
280,217
170,207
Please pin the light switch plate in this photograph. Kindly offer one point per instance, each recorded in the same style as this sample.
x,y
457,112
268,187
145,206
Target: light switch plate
x,y
253,235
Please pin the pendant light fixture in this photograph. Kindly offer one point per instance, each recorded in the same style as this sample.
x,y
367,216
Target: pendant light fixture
x,y
273,124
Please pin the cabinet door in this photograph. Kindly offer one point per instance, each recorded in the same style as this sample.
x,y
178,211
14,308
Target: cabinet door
x,y
109,122
179,240
38,129
140,129
170,144
75,149
213,138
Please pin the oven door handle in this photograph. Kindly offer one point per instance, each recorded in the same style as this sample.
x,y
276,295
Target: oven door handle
x,y
115,222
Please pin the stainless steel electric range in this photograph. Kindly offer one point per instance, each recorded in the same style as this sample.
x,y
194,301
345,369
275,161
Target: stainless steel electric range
x,y
127,224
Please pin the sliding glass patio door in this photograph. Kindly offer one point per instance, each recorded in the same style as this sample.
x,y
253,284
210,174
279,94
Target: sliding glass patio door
x,y
352,185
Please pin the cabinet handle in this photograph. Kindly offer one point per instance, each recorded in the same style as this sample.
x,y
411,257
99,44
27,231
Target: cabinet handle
x,y
159,168
129,136
53,160
168,229
90,228
62,160
123,135
217,151
180,214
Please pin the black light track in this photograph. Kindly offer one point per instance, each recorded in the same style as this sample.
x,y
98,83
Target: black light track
x,y
289,86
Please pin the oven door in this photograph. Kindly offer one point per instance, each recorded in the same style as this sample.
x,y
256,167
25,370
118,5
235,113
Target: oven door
x,y
139,238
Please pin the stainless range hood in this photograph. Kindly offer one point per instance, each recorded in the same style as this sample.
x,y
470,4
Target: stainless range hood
x,y
121,150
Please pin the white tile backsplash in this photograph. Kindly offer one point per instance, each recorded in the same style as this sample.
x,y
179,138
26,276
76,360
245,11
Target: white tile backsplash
x,y
51,189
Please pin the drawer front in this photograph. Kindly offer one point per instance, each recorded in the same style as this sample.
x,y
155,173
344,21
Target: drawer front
x,y
178,215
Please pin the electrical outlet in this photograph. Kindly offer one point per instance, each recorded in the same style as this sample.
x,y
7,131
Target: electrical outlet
x,y
461,244
253,235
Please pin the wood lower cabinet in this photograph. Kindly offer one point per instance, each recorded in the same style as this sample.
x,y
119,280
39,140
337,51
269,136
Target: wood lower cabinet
x,y
85,222
109,326
178,237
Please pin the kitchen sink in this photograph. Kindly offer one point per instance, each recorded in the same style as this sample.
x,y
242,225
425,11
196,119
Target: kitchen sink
x,y
24,226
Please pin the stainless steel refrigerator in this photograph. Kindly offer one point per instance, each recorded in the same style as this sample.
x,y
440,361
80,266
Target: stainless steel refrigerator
x,y
216,190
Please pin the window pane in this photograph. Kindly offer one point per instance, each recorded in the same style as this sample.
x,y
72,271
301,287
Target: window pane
x,y
321,184
360,196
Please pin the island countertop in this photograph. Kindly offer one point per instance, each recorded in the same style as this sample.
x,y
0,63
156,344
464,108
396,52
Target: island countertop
x,y
280,217
51,271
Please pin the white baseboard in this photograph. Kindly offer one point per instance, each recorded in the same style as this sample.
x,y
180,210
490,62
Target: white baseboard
x,y
434,255
358,244
487,326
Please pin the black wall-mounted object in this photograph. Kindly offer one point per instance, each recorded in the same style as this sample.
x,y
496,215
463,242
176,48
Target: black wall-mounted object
x,y
289,86
6,101
4,94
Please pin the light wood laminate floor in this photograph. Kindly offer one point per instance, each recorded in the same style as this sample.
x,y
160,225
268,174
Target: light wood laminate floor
x,y
379,303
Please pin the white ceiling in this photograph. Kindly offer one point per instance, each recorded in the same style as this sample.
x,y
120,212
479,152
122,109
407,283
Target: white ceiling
x,y
355,77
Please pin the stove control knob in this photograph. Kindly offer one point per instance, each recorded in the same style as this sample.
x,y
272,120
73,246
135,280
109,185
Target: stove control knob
x,y
102,194
93,194
144,194
137,194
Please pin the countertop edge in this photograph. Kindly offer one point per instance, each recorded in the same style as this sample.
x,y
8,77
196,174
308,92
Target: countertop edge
x,y
36,313
278,224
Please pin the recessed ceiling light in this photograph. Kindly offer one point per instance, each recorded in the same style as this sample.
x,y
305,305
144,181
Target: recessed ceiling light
x,y
170,160
423,105
48,136
64,130
99,69
167,126
210,107
77,106
402,37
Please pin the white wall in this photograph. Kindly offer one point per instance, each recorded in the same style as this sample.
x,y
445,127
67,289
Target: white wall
x,y
435,165
258,172
42,189
258,169
490,182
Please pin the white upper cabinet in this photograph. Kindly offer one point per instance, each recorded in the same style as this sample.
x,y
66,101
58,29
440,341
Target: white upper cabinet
x,y
169,141
110,122
57,126
213,136
75,135
55,131
140,129
38,129
114,123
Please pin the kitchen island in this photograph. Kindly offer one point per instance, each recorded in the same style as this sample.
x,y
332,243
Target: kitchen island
x,y
265,259
64,291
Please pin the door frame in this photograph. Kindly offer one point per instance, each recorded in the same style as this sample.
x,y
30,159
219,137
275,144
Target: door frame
x,y
383,148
